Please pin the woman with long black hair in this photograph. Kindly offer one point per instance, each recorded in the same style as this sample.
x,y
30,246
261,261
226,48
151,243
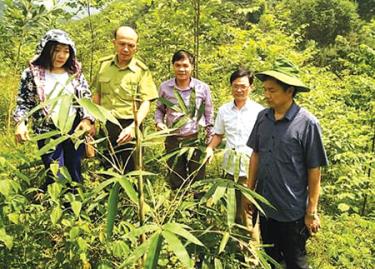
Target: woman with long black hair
x,y
54,72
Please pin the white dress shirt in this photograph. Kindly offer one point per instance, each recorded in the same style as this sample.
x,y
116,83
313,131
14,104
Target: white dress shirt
x,y
236,125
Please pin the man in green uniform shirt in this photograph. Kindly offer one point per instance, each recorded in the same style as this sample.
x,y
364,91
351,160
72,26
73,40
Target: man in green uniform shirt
x,y
121,79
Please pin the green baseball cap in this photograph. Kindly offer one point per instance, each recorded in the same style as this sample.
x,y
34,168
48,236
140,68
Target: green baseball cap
x,y
286,72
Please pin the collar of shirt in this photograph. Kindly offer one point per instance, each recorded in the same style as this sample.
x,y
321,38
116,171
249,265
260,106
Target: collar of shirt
x,y
132,64
289,115
245,107
193,83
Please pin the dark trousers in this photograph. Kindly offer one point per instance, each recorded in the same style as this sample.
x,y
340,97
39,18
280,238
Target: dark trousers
x,y
122,155
288,240
183,170
65,155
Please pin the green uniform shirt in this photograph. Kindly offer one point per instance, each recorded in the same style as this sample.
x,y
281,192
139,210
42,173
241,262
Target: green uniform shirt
x,y
118,87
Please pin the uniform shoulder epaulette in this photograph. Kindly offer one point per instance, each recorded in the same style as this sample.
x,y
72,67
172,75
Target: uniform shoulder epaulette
x,y
141,65
106,58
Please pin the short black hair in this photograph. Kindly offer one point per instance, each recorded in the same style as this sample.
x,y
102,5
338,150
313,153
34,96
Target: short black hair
x,y
183,54
242,72
283,85
45,58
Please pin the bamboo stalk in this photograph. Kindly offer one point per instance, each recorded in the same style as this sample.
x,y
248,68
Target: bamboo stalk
x,y
139,167
196,36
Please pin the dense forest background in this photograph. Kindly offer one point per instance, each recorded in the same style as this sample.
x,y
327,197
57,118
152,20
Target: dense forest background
x,y
333,42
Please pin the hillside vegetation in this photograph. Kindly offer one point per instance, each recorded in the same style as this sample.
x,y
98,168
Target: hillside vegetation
x,y
333,43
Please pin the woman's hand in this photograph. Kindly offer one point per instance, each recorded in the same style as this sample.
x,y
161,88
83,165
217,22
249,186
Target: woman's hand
x,y
22,133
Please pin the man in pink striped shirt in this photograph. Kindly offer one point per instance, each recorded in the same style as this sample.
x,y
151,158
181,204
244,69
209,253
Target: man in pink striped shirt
x,y
195,112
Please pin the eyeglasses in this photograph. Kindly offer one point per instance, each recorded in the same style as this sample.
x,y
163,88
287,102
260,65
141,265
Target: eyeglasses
x,y
240,87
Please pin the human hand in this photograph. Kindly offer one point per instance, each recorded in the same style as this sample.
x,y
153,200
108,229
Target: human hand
x,y
312,222
22,133
161,126
248,206
126,135
209,155
38,197
86,127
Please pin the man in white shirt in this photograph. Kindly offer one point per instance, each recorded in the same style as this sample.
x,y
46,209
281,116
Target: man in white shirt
x,y
235,120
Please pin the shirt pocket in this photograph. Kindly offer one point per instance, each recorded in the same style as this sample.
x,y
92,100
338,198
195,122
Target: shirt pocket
x,y
290,151
128,90
104,83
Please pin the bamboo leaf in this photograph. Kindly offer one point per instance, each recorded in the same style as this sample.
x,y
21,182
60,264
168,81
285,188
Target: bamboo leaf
x,y
141,230
218,264
178,248
190,153
192,104
253,201
129,190
170,155
112,209
108,116
92,108
219,193
137,253
157,136
169,104
208,194
181,121
69,124
180,101
224,242
63,114
237,161
102,185
252,195
45,135
139,173
52,144
180,229
153,253
201,109
230,159
231,206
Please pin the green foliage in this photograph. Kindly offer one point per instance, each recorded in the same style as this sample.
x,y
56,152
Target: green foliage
x,y
322,20
24,22
71,230
366,9
343,242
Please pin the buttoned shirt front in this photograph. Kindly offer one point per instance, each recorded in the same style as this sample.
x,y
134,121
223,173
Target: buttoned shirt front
x,y
236,124
170,116
287,148
118,87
